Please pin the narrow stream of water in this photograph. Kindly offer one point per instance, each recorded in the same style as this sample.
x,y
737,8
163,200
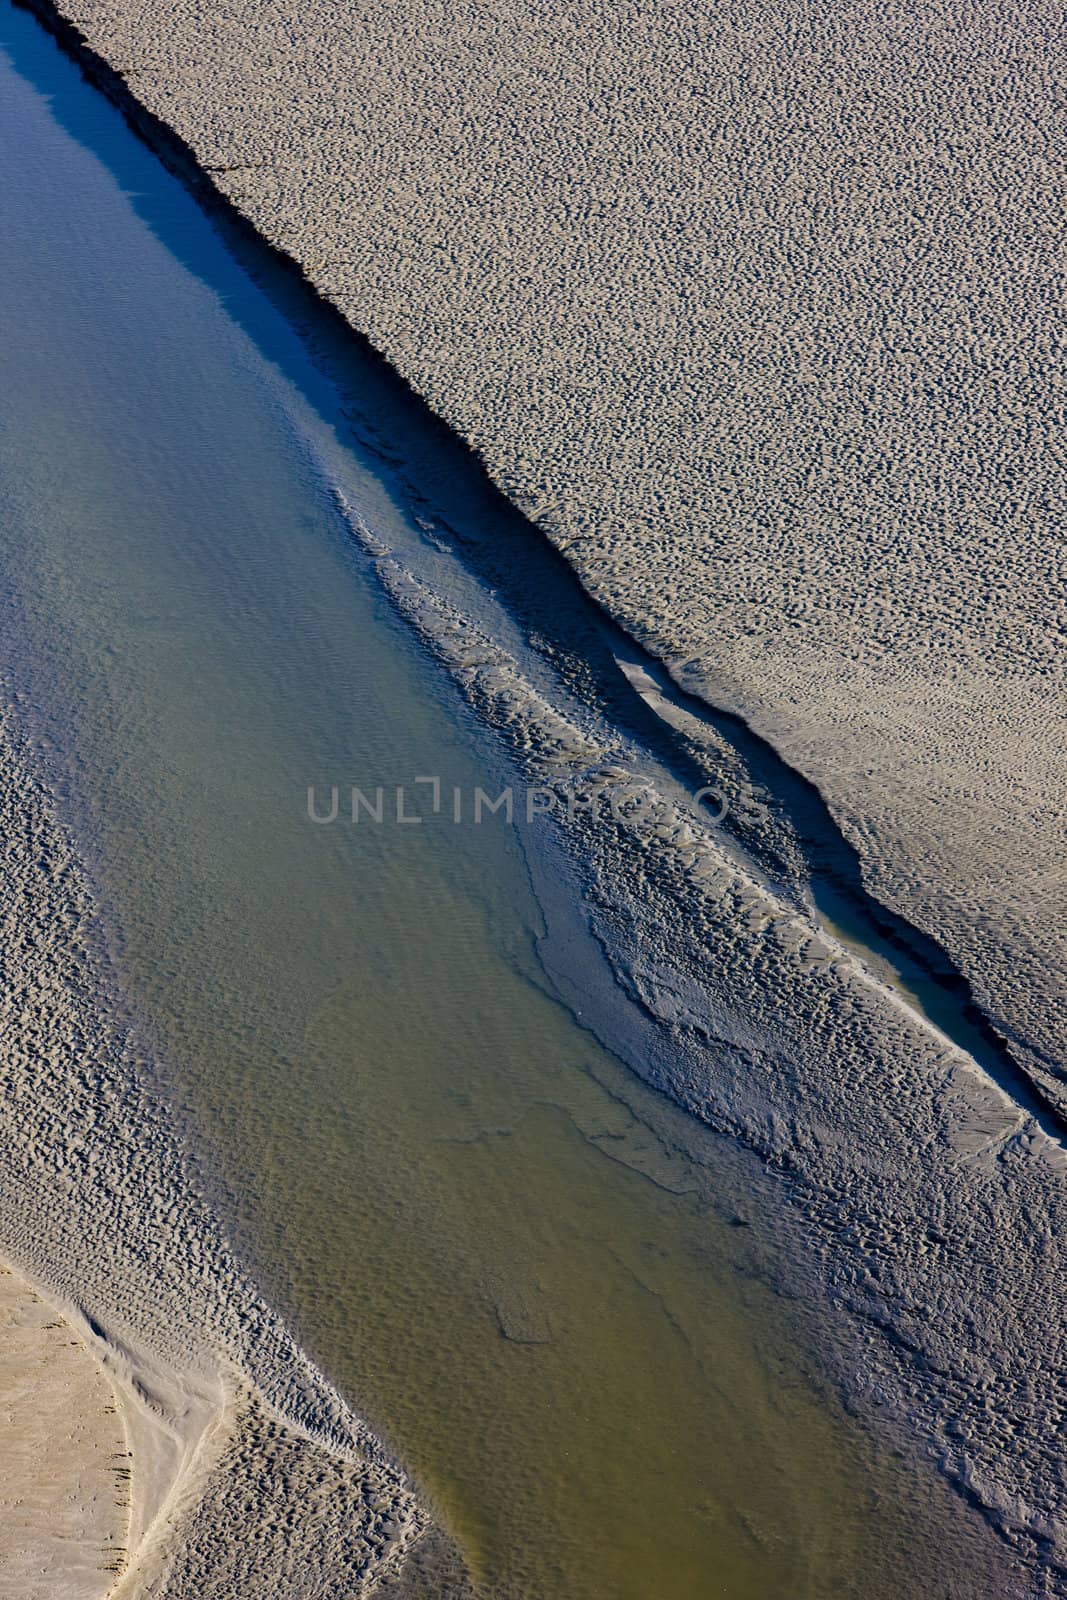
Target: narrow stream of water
x,y
551,1292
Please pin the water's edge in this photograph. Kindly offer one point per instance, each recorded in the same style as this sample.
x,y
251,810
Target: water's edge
x,y
827,859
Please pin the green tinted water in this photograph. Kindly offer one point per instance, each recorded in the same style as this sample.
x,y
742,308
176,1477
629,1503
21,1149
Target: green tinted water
x,y
525,1269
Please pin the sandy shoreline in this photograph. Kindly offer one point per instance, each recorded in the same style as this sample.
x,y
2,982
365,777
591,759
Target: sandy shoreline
x,y
64,1506
112,1489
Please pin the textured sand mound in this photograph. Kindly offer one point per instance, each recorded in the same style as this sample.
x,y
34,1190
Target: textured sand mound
x,y
323,1526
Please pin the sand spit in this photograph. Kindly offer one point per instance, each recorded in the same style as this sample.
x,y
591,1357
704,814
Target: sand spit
x,y
215,1398
754,310
934,1203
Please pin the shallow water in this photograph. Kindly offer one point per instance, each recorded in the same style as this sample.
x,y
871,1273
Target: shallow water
x,y
550,1291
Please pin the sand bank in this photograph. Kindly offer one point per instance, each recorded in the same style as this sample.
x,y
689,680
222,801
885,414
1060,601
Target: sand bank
x,y
112,1490
915,1095
753,310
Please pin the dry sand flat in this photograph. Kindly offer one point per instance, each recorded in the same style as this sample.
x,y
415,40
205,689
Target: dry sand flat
x,y
755,310
64,1485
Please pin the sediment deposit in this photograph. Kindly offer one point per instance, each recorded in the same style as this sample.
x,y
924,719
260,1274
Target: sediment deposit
x,y
752,313
64,1506
933,1201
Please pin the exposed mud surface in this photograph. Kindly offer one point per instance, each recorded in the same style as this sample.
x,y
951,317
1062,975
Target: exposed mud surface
x,y
934,1198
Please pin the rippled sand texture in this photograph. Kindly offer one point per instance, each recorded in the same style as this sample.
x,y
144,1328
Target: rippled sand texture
x,y
938,1199
753,309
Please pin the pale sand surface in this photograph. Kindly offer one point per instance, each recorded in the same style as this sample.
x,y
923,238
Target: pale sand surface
x,y
64,1480
755,309
218,1500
